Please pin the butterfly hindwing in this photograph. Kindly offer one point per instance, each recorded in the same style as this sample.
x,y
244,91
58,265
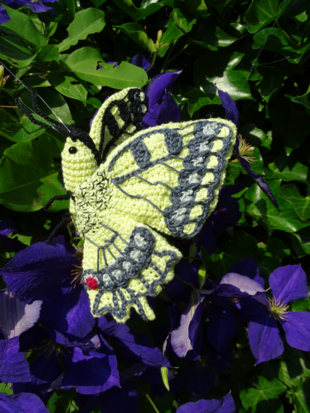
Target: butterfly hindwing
x,y
123,263
169,176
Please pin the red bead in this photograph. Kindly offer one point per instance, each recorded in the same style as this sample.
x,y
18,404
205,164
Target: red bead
x,y
92,283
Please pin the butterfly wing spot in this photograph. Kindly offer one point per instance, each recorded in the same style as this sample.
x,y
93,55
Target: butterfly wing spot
x,y
208,178
140,153
189,228
217,145
196,212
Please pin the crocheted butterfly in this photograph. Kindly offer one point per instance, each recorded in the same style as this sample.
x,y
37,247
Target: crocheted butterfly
x,y
123,199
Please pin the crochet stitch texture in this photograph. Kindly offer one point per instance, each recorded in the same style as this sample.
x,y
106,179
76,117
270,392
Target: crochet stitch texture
x,y
163,180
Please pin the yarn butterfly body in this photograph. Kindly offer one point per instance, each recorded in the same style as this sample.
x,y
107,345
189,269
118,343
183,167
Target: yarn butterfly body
x,y
160,181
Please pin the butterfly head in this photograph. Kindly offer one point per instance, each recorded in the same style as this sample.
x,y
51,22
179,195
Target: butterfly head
x,y
78,163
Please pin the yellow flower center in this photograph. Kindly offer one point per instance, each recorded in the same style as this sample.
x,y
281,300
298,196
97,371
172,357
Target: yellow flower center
x,y
278,309
245,150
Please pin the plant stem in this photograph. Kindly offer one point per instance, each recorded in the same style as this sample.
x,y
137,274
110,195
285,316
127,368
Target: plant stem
x,y
152,403
153,61
185,282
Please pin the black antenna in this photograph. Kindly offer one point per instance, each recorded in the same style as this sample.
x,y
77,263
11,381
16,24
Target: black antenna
x,y
73,133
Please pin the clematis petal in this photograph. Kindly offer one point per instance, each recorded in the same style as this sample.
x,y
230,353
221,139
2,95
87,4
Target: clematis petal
x,y
249,268
219,360
133,347
297,330
178,290
289,283
44,369
33,272
6,227
231,109
124,399
90,372
222,329
265,341
4,17
67,310
38,7
161,113
226,405
141,61
16,317
158,86
21,403
206,237
200,381
189,324
13,365
243,283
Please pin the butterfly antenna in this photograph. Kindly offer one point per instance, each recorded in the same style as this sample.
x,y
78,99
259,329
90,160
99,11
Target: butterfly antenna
x,y
57,198
32,96
66,219
72,132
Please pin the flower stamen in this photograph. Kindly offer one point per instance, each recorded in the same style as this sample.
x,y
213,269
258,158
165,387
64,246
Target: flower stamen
x,y
278,309
245,150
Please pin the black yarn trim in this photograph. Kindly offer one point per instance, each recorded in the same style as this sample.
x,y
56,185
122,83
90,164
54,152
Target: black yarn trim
x,y
109,121
57,198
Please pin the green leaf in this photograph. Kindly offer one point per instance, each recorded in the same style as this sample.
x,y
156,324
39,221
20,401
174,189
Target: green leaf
x,y
140,13
262,210
83,63
271,254
255,136
57,107
264,397
300,204
183,22
291,121
64,85
48,54
215,70
15,51
136,32
18,130
272,80
262,12
202,275
303,100
196,8
86,22
28,178
230,251
301,242
22,25
287,168
208,35
5,388
302,397
301,305
164,375
276,41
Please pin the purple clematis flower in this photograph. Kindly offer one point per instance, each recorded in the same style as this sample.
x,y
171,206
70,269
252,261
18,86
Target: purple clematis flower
x,y
134,348
62,362
21,403
232,114
35,5
162,108
43,272
141,61
226,405
226,214
287,283
6,228
16,317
